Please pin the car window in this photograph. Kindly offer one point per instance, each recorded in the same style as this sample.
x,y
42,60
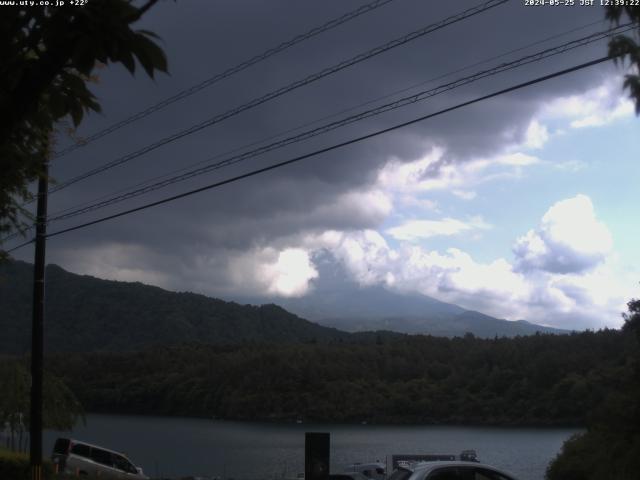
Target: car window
x,y
81,450
449,473
123,464
484,474
101,456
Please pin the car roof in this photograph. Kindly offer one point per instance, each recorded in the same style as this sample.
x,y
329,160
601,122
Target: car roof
x,y
76,441
429,466
349,474
360,466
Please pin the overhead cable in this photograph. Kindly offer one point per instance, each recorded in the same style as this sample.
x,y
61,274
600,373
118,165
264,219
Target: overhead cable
x,y
253,143
283,90
226,73
324,150
402,102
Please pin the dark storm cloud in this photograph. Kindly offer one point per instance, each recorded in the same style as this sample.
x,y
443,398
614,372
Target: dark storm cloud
x,y
203,38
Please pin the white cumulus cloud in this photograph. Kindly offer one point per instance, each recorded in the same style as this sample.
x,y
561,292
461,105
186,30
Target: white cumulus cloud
x,y
569,239
465,194
596,107
413,230
430,173
536,135
285,273
563,273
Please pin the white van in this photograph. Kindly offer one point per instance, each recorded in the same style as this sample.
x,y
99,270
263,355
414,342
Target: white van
x,y
80,458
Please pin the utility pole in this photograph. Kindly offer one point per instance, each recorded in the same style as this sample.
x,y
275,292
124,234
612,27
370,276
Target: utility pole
x,y
37,324
316,455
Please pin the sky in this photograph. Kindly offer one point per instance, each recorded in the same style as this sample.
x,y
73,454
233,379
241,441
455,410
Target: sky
x,y
523,206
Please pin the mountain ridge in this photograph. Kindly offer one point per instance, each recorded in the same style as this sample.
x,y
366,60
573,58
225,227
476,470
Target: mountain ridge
x,y
335,300
85,313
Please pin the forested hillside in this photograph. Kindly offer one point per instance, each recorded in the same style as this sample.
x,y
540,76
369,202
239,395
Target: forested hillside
x,y
150,351
537,380
610,447
84,313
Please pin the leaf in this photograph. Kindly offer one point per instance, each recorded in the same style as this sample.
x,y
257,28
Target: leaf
x,y
83,59
127,60
74,83
632,82
149,54
56,104
149,33
76,114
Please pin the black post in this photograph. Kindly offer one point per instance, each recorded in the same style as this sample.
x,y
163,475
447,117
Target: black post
x,y
37,342
316,456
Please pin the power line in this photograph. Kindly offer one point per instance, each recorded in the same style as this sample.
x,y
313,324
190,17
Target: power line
x,y
318,120
14,234
227,73
286,89
327,149
148,187
23,244
402,102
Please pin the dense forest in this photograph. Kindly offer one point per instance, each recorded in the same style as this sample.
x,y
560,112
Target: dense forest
x,y
535,380
610,448
87,314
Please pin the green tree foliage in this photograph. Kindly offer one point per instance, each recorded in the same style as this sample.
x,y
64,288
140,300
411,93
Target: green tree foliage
x,y
14,402
61,409
16,466
610,449
47,56
628,46
535,380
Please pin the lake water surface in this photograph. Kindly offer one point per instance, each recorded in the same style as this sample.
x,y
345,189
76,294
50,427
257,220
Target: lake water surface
x,y
172,447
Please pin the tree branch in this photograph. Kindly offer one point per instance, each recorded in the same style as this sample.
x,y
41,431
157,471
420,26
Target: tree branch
x,y
143,9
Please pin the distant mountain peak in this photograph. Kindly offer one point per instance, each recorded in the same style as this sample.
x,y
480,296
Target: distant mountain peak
x,y
84,313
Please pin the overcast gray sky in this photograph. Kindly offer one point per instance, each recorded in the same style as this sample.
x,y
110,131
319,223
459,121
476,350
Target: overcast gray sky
x,y
519,206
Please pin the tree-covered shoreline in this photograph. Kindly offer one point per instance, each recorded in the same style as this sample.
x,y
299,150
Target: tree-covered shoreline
x,y
610,448
542,380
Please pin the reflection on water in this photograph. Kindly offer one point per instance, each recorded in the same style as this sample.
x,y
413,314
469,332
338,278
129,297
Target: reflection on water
x,y
172,447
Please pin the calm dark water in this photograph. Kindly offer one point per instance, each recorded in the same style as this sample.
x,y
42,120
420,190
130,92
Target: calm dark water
x,y
183,446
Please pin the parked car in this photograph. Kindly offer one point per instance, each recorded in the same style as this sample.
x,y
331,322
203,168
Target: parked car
x,y
404,460
347,476
80,458
450,470
373,471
